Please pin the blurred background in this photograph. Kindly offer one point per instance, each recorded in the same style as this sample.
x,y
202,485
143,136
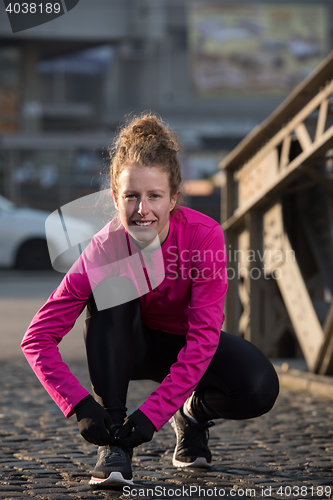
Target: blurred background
x,y
214,70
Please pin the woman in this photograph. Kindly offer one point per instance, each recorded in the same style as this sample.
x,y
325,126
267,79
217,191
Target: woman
x,y
154,282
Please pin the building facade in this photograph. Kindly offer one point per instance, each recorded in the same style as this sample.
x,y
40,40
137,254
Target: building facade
x,y
212,71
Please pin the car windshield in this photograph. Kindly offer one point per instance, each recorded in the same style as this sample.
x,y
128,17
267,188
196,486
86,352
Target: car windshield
x,y
6,204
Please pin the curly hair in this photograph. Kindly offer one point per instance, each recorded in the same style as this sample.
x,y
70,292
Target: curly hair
x,y
146,141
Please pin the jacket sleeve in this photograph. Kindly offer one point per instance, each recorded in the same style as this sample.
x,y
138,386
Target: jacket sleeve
x,y
205,318
51,323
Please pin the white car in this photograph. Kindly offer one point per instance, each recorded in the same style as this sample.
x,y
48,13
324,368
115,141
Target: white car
x,y
23,243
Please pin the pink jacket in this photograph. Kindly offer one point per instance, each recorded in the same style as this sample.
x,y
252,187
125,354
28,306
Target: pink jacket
x,y
188,300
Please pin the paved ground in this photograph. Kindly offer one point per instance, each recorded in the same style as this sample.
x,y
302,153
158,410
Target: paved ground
x,y
287,453
22,293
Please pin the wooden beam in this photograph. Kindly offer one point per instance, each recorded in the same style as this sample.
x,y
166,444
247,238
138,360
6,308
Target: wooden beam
x,y
288,128
232,303
325,358
283,178
311,150
303,137
302,94
285,152
256,278
300,308
227,199
273,238
322,117
244,280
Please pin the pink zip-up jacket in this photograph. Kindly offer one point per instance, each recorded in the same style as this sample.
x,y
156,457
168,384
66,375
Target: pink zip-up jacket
x,y
187,298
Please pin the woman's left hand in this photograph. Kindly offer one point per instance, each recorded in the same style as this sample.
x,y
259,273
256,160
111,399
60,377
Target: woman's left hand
x,y
136,429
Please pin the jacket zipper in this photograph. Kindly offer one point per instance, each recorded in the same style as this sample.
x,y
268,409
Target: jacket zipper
x,y
153,284
149,256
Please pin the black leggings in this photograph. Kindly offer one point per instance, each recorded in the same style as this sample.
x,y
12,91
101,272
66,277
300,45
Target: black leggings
x,y
239,383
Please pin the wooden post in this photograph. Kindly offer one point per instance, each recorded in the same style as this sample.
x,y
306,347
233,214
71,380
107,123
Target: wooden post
x,y
325,358
243,275
232,305
256,277
281,260
262,170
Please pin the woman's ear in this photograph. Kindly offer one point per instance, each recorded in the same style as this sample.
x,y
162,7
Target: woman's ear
x,y
174,199
115,200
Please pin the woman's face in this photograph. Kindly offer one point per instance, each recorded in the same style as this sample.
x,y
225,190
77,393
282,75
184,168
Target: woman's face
x,y
143,201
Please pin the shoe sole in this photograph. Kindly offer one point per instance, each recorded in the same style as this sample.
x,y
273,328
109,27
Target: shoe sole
x,y
115,479
198,462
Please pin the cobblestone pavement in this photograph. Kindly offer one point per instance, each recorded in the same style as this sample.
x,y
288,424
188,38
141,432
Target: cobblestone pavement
x,y
287,453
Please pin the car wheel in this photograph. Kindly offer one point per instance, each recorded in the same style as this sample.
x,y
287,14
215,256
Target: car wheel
x,y
33,255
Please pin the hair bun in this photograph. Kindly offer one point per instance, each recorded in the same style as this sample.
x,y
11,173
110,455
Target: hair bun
x,y
146,140
149,126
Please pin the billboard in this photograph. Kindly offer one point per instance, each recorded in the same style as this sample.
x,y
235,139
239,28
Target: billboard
x,y
255,47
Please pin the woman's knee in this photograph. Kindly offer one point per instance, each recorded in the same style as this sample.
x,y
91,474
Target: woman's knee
x,y
264,392
254,398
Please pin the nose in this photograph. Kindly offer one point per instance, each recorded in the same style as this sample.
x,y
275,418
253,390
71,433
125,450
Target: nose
x,y
143,208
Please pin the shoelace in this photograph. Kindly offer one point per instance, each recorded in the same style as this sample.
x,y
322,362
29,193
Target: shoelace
x,y
195,429
110,454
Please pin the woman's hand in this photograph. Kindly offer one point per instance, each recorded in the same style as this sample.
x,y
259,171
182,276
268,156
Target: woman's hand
x,y
136,429
95,423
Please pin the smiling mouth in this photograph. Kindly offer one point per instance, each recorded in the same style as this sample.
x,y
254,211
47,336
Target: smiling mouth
x,y
143,223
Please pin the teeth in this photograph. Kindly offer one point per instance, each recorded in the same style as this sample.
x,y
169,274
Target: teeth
x,y
143,223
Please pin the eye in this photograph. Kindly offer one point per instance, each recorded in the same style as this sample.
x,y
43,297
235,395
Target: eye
x,y
155,196
130,196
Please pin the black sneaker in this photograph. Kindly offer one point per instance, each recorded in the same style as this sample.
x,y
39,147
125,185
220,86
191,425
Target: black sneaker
x,y
113,467
192,442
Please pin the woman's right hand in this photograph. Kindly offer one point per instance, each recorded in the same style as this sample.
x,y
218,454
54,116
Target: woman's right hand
x,y
95,423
